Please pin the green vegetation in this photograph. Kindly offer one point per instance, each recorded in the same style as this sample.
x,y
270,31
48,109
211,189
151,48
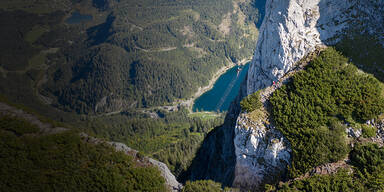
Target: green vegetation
x,y
63,162
367,174
341,181
366,51
17,126
204,115
132,55
368,131
202,186
369,162
148,54
173,139
36,32
311,109
251,102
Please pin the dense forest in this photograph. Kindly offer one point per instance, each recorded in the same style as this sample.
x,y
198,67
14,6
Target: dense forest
x,y
172,139
148,53
129,54
30,161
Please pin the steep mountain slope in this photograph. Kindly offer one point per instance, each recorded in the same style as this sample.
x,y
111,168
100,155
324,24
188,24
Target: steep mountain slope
x,y
291,31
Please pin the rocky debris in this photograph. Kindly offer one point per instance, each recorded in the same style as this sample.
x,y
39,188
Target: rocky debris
x,y
330,168
354,133
379,124
326,169
45,128
380,129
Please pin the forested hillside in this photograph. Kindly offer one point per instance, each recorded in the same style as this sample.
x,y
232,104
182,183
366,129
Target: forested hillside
x,y
101,65
32,161
105,56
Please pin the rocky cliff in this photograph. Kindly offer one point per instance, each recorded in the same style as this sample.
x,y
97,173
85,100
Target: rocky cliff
x,y
290,31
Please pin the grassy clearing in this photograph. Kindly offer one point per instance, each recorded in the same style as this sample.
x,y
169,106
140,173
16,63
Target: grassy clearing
x,y
204,115
35,33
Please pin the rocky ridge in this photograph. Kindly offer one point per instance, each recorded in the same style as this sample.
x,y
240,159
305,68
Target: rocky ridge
x,y
258,143
290,31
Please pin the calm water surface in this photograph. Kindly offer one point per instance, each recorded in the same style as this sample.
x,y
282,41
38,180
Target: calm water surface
x,y
223,92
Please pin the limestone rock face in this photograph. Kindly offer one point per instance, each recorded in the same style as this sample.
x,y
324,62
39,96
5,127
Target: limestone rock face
x,y
261,151
290,30
293,28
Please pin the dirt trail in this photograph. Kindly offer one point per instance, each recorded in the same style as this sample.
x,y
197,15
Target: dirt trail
x,y
157,49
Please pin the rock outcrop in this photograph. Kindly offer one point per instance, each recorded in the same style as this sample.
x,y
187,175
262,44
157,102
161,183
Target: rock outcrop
x,y
261,153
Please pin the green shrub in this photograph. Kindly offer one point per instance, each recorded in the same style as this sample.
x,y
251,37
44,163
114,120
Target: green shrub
x,y
367,162
202,186
368,131
308,110
251,102
17,125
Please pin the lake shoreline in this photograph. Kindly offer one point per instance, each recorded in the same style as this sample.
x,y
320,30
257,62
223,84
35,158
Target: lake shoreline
x,y
201,90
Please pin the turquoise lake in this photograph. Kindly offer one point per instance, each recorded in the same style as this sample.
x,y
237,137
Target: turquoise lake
x,y
223,92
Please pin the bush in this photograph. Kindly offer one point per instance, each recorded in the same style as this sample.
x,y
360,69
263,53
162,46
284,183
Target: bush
x,y
202,186
367,162
310,109
368,131
17,126
251,102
